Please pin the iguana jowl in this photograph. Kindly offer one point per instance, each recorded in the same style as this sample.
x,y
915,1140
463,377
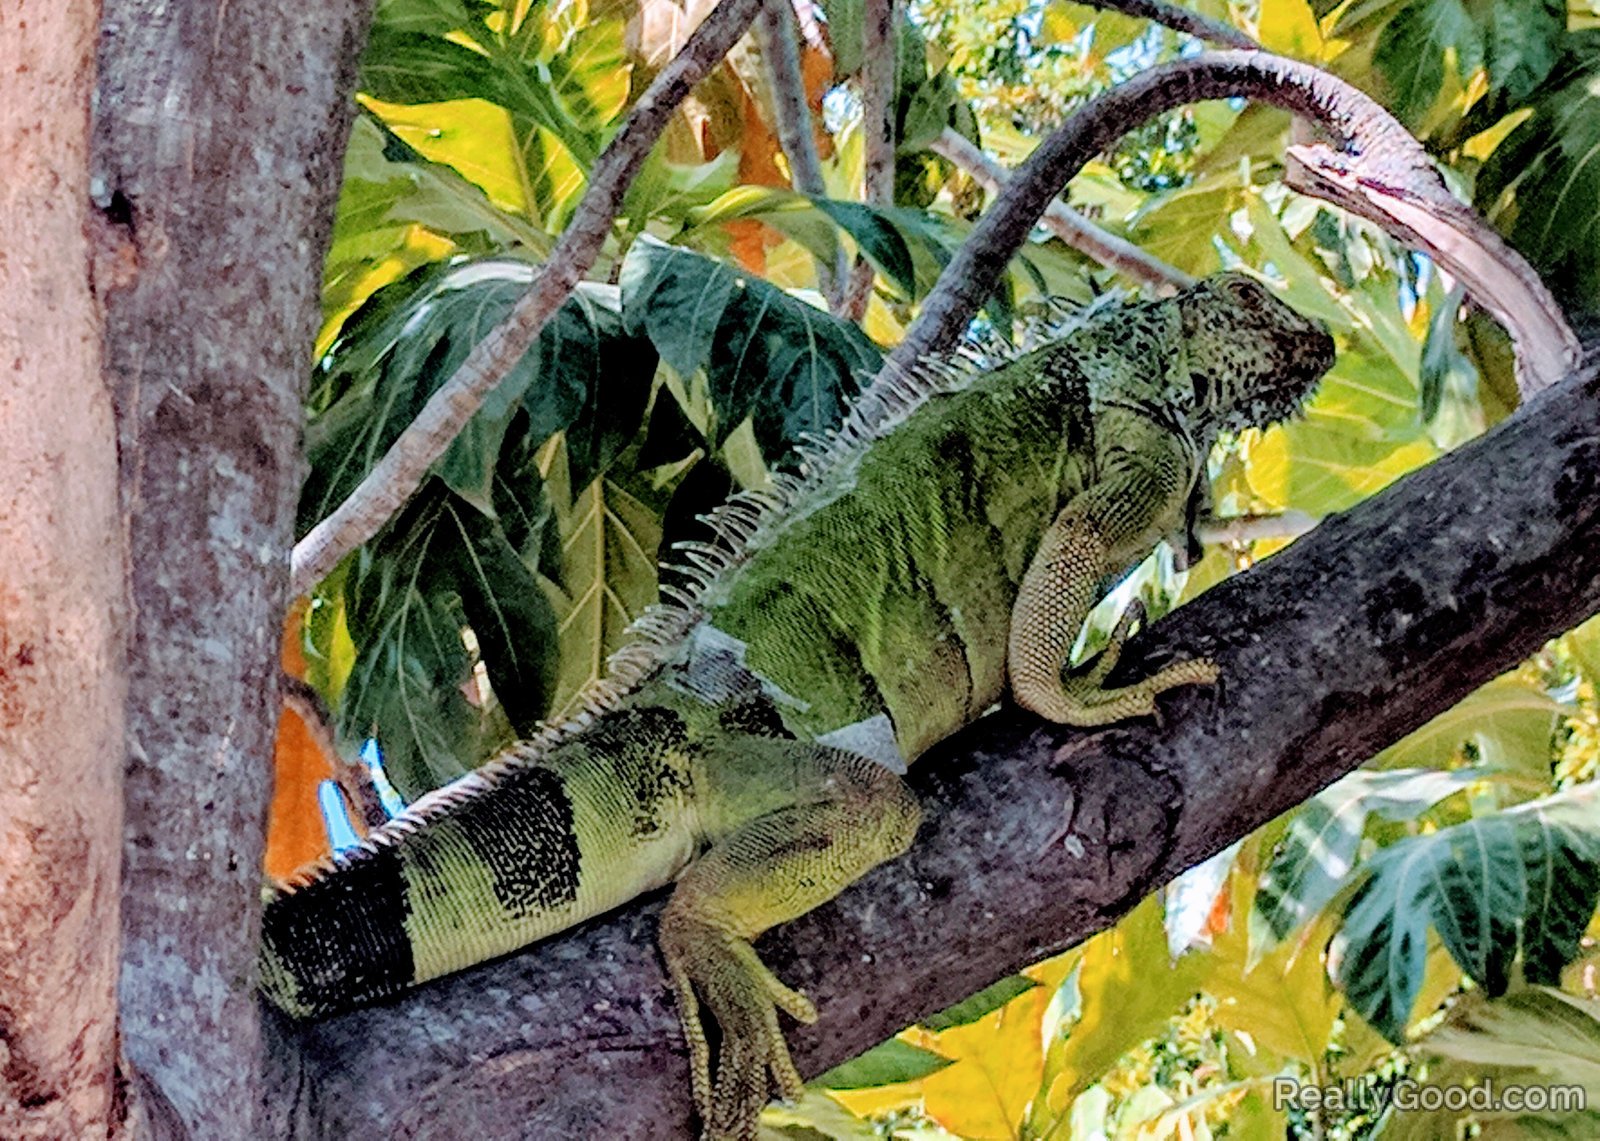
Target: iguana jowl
x,y
866,611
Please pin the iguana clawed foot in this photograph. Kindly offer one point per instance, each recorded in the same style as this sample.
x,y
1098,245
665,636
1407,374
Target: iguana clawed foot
x,y
1085,702
715,969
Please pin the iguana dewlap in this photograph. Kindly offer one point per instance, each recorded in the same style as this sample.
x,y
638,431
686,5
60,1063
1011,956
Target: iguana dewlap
x,y
879,604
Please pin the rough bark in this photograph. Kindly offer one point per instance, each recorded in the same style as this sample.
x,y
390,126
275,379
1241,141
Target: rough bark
x,y
1360,632
219,140
61,599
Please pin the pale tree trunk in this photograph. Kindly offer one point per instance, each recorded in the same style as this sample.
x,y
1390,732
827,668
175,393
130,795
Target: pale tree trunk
x,y
219,136
61,593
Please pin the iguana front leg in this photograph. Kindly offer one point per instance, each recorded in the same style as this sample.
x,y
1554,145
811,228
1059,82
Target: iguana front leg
x,y
1103,531
767,871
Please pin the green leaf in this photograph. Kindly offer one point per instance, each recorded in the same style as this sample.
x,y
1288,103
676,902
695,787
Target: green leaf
x,y
606,576
1535,1037
1554,1034
887,1063
765,354
986,1001
1318,852
410,67
1517,41
1181,226
411,336
590,74
508,611
878,238
1509,724
1411,52
436,569
433,17
1520,881
1542,183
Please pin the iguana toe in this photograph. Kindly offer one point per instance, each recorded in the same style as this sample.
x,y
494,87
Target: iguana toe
x,y
718,972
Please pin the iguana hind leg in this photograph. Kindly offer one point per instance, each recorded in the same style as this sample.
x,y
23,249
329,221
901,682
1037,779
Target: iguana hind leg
x,y
1088,540
767,871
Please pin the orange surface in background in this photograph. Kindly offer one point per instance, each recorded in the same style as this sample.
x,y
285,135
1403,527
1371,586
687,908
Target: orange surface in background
x,y
296,835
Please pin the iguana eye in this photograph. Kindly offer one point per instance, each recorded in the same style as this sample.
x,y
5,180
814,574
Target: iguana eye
x,y
1246,292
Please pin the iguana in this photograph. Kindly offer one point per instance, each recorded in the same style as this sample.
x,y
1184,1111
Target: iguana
x,y
742,747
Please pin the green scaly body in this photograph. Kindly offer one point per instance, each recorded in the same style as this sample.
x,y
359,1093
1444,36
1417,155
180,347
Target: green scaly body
x,y
744,748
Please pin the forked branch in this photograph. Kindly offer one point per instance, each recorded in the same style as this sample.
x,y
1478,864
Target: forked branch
x,y
1374,167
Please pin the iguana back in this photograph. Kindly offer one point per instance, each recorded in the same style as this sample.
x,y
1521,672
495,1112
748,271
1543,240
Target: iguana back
x,y
870,609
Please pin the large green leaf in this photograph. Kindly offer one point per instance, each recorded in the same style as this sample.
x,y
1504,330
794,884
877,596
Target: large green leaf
x,y
388,182
410,337
885,1064
789,366
1522,882
605,578
815,223
437,570
1318,852
1534,1037
1508,725
402,66
1515,41
986,1001
1542,183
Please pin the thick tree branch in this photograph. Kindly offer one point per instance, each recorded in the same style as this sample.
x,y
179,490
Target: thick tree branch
x,y
1360,632
1066,223
396,477
1378,169
218,154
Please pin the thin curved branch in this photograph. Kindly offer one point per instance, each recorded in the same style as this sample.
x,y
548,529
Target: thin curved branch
x,y
396,477
878,21
1330,650
1380,170
777,27
1066,223
1179,19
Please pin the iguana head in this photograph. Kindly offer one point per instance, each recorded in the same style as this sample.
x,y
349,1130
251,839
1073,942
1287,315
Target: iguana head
x,y
1253,360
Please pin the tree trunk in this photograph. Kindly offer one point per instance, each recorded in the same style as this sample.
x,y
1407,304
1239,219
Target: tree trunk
x,y
61,599
219,138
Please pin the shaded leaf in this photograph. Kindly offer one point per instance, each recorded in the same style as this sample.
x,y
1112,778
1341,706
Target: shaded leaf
x,y
1543,182
1521,881
764,353
1318,852
885,1064
410,337
986,1001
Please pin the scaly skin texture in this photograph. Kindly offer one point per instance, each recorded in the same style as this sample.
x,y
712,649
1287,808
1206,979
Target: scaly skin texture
x,y
880,608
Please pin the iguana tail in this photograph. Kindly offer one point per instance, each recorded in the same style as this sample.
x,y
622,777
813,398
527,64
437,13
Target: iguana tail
x,y
487,875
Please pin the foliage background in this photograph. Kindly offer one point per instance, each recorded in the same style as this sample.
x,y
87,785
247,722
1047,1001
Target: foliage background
x,y
1429,916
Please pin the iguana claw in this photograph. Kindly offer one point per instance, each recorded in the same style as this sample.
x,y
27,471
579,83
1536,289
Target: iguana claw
x,y
717,970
